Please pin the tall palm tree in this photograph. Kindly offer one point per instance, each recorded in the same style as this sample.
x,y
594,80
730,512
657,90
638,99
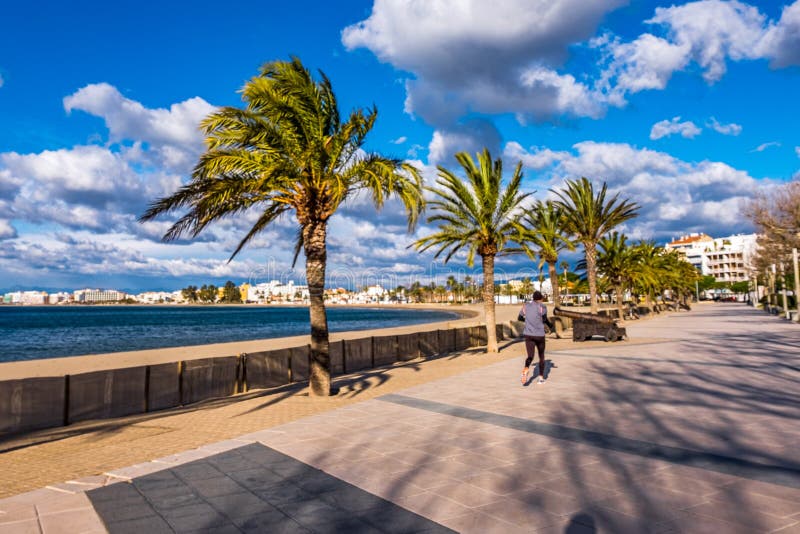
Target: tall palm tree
x,y
646,276
542,234
288,151
617,262
589,216
477,215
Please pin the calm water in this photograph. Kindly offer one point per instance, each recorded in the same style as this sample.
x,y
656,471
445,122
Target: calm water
x,y
34,332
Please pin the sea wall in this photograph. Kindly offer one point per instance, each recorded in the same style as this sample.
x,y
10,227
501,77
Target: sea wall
x,y
28,404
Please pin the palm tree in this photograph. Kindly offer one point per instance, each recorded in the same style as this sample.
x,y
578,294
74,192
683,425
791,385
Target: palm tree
x,y
542,234
617,263
646,276
588,216
288,150
477,215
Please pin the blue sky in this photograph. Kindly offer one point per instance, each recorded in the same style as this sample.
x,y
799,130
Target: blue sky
x,y
686,108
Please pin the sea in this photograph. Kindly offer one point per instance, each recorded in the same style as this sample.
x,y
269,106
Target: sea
x,y
36,332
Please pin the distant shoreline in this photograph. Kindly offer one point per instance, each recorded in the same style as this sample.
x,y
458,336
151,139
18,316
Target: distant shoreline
x,y
469,315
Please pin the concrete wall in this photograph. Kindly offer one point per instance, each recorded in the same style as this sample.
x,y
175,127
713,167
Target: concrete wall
x,y
428,343
35,403
105,394
357,354
31,403
384,350
209,378
267,369
164,386
299,362
408,347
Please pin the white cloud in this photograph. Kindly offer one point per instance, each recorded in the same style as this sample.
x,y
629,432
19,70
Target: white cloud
x,y
781,42
797,151
763,146
400,140
724,129
484,57
536,159
472,137
675,196
7,230
665,128
172,134
707,33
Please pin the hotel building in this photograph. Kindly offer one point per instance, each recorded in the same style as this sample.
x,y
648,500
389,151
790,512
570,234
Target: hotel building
x,y
727,259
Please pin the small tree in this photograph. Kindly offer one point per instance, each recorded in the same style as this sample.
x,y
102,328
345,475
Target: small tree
x,y
189,293
208,293
231,293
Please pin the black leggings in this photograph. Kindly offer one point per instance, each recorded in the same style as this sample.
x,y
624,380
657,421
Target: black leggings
x,y
532,343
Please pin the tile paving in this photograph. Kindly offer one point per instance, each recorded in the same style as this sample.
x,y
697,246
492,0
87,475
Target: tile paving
x,y
693,433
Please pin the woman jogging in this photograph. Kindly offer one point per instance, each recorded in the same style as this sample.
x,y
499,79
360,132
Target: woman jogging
x,y
535,315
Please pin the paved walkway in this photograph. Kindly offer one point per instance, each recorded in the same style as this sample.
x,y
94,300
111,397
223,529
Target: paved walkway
x,y
695,431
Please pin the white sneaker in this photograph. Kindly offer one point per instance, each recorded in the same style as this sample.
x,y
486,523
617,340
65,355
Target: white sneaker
x,y
541,380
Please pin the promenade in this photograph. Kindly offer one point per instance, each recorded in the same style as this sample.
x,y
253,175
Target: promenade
x,y
691,426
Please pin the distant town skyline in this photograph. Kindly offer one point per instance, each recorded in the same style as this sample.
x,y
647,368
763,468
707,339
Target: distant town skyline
x,y
686,108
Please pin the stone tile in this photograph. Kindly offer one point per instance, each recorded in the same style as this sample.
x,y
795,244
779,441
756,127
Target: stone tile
x,y
501,484
239,505
184,457
791,529
519,513
268,521
148,525
762,503
67,502
14,512
466,494
577,488
193,517
764,488
699,524
258,478
135,471
480,523
734,512
432,506
654,506
214,487
30,526
226,445
548,501
480,461
74,521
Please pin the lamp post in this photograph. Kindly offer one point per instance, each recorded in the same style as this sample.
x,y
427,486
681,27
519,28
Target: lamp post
x,y
796,286
786,312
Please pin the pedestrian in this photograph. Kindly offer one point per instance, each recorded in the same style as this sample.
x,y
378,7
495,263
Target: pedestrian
x,y
535,316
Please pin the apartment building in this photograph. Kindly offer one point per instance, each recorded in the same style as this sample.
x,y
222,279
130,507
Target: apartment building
x,y
727,259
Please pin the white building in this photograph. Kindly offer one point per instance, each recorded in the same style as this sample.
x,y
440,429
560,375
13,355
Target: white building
x,y
26,297
58,298
727,259
159,297
98,295
275,290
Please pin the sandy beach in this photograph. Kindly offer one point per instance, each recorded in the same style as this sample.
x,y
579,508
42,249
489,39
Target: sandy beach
x,y
472,314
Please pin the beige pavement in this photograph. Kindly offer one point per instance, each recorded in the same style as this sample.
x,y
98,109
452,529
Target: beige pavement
x,y
691,429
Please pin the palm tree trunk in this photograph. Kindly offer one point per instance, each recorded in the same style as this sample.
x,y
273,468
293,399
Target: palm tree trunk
x,y
551,269
618,291
314,245
488,303
591,273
